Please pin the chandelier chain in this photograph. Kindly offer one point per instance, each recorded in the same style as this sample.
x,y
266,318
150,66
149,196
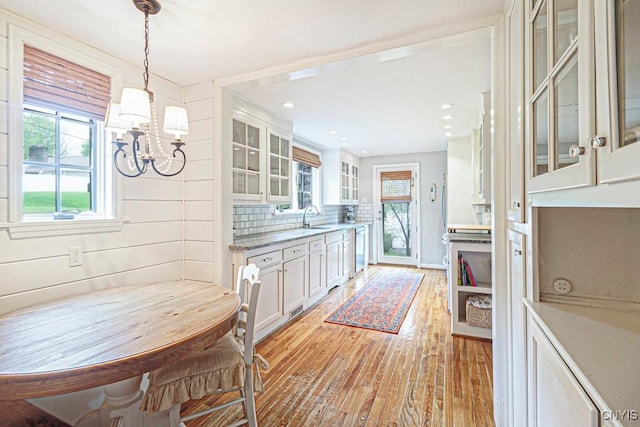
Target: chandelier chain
x,y
146,49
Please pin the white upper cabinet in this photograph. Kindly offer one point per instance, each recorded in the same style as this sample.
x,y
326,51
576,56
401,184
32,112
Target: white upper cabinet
x,y
560,89
340,177
582,91
261,160
618,91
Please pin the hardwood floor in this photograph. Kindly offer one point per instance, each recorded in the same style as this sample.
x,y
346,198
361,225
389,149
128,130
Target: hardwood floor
x,y
323,374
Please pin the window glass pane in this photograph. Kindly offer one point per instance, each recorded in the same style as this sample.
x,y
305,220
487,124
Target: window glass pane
x,y
284,151
274,186
253,183
39,138
284,167
566,25
284,187
39,189
239,182
566,113
75,143
628,54
274,165
239,132
541,134
540,47
75,190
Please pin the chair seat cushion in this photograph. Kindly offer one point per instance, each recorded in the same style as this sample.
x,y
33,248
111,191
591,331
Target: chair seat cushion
x,y
218,367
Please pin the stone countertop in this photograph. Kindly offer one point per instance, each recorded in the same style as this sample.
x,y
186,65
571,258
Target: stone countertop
x,y
254,241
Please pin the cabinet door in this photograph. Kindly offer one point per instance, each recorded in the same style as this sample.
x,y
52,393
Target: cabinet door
x,y
247,159
295,273
347,256
355,184
270,299
555,396
618,77
334,256
278,166
517,331
345,182
560,93
317,274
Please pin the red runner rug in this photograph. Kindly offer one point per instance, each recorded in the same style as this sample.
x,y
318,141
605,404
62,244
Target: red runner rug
x,y
381,304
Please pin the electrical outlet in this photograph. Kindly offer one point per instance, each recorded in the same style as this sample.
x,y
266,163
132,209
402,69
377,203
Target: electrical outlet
x,y
75,257
562,286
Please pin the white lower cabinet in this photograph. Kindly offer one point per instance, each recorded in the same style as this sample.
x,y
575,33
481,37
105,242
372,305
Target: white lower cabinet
x,y
269,308
334,260
347,255
555,396
317,271
517,329
295,273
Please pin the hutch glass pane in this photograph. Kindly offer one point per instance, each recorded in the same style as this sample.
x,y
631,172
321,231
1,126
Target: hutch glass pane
x,y
253,136
253,161
540,60
566,25
541,134
274,144
566,112
628,58
239,132
239,157
253,183
274,165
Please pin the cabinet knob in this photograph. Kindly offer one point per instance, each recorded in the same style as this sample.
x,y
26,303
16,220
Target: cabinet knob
x,y
575,151
517,252
515,205
597,141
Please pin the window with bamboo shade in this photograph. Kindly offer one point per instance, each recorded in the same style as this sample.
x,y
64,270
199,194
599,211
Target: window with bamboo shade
x,y
396,186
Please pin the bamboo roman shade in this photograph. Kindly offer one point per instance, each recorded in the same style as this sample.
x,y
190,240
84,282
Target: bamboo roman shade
x,y
395,186
51,80
306,157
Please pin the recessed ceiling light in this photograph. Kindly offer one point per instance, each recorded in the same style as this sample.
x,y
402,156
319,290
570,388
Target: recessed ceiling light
x,y
333,131
446,106
448,134
448,126
447,117
287,104
365,151
344,138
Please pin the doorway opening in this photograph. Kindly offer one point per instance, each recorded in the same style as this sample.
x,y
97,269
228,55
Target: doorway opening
x,y
397,214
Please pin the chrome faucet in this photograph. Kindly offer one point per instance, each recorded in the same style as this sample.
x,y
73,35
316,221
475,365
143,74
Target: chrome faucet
x,y
305,223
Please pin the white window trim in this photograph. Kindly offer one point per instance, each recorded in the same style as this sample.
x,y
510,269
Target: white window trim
x,y
74,51
317,186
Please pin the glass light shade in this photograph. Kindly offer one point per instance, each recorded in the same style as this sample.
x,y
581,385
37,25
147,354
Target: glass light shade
x,y
135,106
113,121
176,121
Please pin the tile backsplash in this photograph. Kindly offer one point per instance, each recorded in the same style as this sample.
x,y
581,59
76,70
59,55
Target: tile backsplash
x,y
263,219
364,212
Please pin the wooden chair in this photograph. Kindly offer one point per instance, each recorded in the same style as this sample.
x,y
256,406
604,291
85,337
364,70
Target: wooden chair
x,y
231,364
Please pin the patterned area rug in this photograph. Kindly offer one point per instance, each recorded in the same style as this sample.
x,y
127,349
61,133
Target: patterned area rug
x,y
381,304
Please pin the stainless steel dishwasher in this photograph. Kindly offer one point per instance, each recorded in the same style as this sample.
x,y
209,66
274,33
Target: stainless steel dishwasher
x,y
362,248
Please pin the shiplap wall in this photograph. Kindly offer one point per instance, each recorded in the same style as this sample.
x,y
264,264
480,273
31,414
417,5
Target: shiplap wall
x,y
150,245
198,184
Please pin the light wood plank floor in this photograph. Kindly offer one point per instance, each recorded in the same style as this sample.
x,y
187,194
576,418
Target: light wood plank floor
x,y
323,374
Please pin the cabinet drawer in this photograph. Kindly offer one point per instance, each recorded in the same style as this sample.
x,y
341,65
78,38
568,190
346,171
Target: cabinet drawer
x,y
316,245
265,259
295,251
346,235
334,237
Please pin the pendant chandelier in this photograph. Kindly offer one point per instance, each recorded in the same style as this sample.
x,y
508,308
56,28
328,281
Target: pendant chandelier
x,y
135,115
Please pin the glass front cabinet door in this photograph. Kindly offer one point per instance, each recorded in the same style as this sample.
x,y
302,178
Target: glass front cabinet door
x,y
279,157
246,158
583,92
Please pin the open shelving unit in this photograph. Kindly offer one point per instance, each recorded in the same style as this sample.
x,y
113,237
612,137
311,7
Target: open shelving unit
x,y
478,255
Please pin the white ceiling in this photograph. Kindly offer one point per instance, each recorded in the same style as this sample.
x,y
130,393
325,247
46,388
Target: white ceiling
x,y
198,40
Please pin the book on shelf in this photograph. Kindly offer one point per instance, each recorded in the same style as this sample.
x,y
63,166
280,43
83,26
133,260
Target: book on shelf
x,y
465,274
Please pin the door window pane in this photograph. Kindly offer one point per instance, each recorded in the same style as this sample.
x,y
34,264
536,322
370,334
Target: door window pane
x,y
541,134
396,229
566,112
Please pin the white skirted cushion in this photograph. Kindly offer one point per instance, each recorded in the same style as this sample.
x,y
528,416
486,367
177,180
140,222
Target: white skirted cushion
x,y
218,367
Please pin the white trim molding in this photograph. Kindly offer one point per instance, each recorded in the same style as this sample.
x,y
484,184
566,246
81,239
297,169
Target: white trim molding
x,y
32,230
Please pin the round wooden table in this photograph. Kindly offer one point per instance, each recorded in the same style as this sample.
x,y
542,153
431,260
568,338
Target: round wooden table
x,y
102,337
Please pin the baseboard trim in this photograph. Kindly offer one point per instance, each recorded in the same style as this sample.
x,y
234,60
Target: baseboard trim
x,y
434,266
